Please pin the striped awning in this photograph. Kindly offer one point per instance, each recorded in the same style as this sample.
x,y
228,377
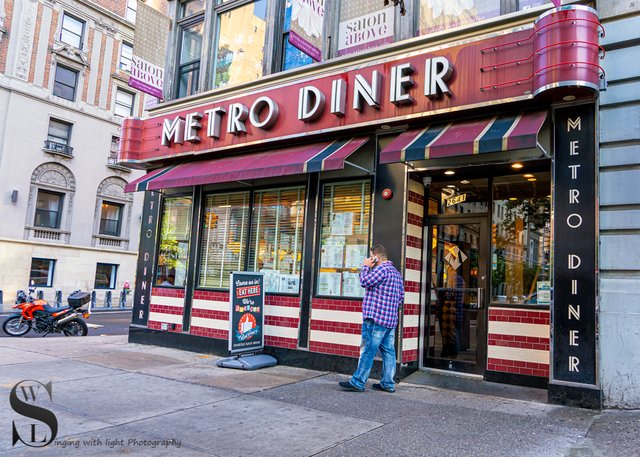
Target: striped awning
x,y
288,161
480,136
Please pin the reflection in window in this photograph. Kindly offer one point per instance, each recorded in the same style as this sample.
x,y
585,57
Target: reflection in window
x,y
344,237
292,56
174,242
110,219
226,223
437,15
42,272
240,44
276,238
364,25
521,240
189,59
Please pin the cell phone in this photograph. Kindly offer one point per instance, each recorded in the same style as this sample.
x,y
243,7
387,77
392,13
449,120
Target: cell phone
x,y
375,259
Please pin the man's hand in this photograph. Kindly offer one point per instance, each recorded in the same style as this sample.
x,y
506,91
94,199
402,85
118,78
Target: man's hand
x,y
369,262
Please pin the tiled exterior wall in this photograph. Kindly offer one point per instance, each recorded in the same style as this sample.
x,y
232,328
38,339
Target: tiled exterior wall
x,y
336,326
166,307
518,341
413,271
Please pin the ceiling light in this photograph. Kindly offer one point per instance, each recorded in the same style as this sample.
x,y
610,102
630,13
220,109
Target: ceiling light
x,y
569,98
528,175
451,186
516,166
531,179
449,172
512,199
465,181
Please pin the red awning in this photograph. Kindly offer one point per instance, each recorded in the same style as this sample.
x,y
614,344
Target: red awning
x,y
447,139
282,162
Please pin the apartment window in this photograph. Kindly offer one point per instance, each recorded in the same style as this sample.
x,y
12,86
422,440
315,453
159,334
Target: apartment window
x,y
113,150
226,225
189,58
344,238
126,55
436,15
124,103
65,83
275,246
174,242
42,272
132,7
105,276
72,31
191,7
354,37
240,43
48,209
58,136
110,219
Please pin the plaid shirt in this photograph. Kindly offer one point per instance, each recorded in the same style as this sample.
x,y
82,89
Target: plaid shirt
x,y
383,295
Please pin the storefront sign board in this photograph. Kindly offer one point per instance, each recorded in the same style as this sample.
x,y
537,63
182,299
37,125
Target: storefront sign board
x,y
246,312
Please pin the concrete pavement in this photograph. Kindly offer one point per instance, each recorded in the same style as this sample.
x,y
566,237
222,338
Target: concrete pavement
x,y
111,397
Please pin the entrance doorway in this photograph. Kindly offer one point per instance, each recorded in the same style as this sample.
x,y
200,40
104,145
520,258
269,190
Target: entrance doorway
x,y
456,307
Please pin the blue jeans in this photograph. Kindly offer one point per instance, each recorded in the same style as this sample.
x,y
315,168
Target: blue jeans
x,y
376,337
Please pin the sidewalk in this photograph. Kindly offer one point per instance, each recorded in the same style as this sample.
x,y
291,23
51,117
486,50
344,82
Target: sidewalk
x,y
111,397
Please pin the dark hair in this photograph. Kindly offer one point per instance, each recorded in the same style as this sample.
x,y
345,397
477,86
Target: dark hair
x,y
379,250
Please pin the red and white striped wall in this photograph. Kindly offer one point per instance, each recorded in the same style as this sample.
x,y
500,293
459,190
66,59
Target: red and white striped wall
x,y
166,307
336,327
210,318
413,271
519,341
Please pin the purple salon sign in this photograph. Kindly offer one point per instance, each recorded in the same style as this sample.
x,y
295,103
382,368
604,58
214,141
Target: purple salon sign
x,y
146,77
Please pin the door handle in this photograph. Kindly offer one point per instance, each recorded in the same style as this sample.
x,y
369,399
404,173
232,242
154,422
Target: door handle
x,y
480,292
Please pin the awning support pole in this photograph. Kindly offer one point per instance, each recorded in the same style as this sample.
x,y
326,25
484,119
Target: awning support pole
x,y
357,166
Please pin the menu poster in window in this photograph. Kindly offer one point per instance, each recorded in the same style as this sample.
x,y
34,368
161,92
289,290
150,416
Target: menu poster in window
x,y
332,257
246,312
355,255
329,283
271,280
342,223
544,292
289,284
351,285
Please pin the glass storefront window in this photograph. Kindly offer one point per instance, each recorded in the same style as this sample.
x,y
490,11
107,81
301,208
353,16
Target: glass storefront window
x,y
437,15
344,238
240,44
292,57
189,59
521,239
461,196
174,242
276,238
364,24
226,223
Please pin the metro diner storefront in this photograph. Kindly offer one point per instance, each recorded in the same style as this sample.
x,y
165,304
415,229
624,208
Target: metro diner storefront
x,y
472,162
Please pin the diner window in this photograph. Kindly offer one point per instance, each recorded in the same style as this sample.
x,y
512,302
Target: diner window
x,y
105,276
110,219
132,8
364,24
123,103
42,272
437,15
276,238
521,240
65,82
189,57
126,56
240,42
72,31
344,237
48,209
173,252
226,225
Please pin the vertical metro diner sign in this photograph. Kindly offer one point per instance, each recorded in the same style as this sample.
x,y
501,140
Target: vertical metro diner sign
x,y
246,313
574,307
146,258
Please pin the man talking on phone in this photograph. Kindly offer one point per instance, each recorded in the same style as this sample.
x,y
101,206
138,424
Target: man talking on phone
x,y
384,292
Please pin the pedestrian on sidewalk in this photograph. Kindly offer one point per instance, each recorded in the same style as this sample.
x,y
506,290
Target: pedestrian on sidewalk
x,y
384,292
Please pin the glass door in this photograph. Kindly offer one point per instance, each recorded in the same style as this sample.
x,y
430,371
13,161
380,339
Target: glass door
x,y
456,298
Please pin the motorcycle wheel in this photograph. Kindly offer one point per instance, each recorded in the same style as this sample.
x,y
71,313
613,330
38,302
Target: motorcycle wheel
x,y
12,326
76,327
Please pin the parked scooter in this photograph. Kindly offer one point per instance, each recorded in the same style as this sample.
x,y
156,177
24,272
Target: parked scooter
x,y
37,315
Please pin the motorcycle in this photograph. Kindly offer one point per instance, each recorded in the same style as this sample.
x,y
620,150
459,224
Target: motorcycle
x,y
36,314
